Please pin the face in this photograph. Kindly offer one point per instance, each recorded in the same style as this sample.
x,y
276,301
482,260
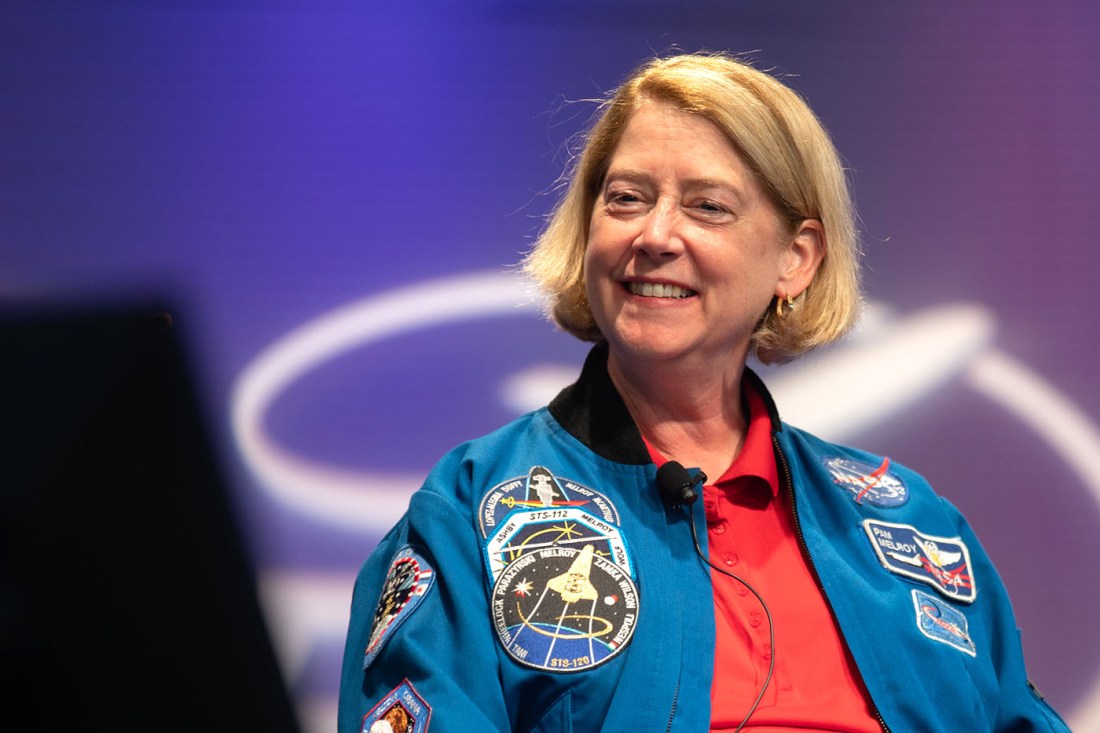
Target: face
x,y
685,251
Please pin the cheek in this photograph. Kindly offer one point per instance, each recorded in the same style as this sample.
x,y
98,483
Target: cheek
x,y
604,246
592,269
598,285
595,257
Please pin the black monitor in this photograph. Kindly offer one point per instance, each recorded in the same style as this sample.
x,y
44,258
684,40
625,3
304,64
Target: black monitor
x,y
127,596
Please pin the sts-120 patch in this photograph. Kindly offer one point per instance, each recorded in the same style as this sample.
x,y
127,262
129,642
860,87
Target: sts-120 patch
x,y
408,581
540,489
564,609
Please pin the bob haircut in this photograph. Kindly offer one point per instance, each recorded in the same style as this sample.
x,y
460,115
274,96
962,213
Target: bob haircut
x,y
780,140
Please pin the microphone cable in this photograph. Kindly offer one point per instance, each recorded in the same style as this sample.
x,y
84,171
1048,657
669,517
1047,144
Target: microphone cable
x,y
767,613
677,487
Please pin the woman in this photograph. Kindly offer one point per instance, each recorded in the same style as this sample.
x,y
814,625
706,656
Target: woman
x,y
550,576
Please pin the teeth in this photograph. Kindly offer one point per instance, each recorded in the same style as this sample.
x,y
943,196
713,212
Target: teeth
x,y
659,290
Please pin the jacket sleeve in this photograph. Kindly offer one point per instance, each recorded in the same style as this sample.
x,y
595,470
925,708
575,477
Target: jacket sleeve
x,y
425,634
1020,707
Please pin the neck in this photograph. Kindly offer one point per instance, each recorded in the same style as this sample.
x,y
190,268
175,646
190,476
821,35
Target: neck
x,y
693,414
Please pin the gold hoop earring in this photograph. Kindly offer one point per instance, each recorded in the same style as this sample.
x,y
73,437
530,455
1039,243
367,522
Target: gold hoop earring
x,y
779,305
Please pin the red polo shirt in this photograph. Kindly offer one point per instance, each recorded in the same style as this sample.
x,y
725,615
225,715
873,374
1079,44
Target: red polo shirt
x,y
750,533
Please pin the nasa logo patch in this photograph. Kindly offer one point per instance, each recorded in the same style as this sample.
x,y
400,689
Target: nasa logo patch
x,y
401,711
941,562
408,581
522,532
541,489
942,622
875,485
564,609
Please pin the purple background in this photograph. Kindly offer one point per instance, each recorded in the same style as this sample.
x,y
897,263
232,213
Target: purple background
x,y
261,164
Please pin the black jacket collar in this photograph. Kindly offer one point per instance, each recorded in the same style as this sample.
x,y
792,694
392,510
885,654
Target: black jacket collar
x,y
591,411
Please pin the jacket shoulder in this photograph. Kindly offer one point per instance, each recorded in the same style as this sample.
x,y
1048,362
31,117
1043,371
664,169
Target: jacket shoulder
x,y
841,459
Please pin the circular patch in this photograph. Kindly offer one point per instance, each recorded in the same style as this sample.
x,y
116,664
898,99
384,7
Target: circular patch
x,y
875,485
540,489
564,609
407,582
523,532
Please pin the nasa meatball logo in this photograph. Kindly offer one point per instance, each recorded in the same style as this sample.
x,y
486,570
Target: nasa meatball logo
x,y
876,485
563,609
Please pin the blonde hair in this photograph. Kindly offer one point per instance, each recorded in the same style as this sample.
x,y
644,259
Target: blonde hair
x,y
780,140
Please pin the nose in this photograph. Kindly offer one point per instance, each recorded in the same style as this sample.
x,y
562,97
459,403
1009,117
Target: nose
x,y
660,232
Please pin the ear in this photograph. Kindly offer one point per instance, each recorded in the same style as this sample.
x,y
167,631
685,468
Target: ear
x,y
801,257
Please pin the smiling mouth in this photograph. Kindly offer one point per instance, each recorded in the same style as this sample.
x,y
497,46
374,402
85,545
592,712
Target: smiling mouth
x,y
659,290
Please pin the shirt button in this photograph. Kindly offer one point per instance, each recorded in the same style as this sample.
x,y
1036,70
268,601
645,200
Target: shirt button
x,y
766,652
742,590
755,619
731,559
720,529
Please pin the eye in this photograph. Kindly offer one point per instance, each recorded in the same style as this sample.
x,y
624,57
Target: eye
x,y
622,199
710,210
712,207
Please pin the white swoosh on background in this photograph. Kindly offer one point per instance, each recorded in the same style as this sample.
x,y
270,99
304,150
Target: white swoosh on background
x,y
889,364
367,501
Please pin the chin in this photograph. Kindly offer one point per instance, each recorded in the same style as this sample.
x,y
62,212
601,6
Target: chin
x,y
649,346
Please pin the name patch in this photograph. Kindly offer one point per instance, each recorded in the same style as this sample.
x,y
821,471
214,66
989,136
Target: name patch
x,y
941,562
408,581
564,609
942,622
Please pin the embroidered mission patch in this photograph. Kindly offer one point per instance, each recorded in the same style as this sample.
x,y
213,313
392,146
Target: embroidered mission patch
x,y
941,562
401,711
409,579
875,485
564,609
540,489
940,621
522,532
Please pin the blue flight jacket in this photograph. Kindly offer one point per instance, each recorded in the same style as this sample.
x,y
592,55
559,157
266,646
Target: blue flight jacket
x,y
917,600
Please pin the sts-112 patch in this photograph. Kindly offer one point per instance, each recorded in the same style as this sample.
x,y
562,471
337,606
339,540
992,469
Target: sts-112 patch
x,y
523,532
401,711
540,489
941,562
876,485
408,581
940,621
564,609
